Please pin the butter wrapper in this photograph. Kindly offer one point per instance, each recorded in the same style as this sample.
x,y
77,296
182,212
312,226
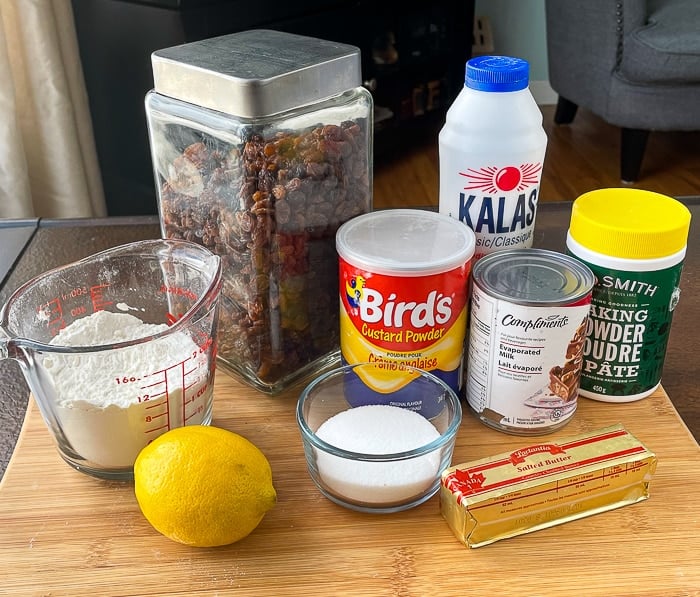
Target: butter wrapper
x,y
545,484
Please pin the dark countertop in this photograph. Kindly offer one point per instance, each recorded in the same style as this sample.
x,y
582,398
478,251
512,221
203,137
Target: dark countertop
x,y
52,243
16,234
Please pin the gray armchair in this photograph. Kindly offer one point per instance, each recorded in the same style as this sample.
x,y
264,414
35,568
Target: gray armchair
x,y
634,63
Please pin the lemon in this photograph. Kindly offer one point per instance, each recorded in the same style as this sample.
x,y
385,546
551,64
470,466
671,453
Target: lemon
x,y
203,486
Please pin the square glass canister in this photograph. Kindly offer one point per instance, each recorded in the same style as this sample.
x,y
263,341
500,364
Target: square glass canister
x,y
261,144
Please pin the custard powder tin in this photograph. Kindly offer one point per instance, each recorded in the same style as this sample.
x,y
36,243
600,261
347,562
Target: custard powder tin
x,y
404,277
529,311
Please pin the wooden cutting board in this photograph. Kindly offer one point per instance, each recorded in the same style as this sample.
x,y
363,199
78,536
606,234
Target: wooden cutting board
x,y
64,533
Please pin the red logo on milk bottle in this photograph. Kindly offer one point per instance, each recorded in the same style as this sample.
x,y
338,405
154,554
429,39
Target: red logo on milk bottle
x,y
499,204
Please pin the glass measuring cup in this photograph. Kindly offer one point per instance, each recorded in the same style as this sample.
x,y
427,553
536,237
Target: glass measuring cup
x,y
118,348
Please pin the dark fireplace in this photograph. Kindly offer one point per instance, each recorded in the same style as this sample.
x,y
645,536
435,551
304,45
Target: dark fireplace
x,y
412,61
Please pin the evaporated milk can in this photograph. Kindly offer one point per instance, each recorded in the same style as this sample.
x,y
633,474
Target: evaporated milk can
x,y
404,277
635,243
529,310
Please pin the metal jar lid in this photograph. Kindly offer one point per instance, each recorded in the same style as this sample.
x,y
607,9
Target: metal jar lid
x,y
535,277
256,73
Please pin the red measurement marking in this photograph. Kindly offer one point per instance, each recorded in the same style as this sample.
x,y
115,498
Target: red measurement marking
x,y
162,400
183,383
53,310
195,412
97,297
162,419
151,385
204,341
179,291
171,319
163,373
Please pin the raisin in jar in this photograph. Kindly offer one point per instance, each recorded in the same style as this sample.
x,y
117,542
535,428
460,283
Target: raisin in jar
x,y
261,144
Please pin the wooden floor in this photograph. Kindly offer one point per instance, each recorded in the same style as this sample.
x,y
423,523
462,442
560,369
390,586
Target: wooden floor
x,y
580,157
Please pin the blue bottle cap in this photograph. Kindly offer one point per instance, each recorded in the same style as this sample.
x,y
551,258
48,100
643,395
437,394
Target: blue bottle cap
x,y
497,73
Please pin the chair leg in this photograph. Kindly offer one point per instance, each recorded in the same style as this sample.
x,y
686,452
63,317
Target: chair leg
x,y
632,146
566,110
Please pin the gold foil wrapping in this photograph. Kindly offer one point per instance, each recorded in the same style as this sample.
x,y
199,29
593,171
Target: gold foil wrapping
x,y
545,484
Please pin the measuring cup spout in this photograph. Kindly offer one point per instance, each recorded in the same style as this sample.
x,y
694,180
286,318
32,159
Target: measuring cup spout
x,y
14,348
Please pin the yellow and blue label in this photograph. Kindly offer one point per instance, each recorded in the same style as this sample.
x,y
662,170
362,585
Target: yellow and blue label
x,y
353,290
401,322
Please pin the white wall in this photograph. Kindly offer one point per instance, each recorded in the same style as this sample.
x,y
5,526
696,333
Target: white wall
x,y
518,28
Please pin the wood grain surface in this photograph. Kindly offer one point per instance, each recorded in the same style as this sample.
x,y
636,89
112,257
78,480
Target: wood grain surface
x,y
581,156
64,533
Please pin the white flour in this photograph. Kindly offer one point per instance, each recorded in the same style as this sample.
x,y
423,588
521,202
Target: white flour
x,y
110,404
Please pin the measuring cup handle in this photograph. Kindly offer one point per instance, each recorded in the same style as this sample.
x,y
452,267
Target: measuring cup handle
x,y
4,341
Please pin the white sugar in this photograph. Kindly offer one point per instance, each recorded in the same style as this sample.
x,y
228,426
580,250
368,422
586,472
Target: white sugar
x,y
378,429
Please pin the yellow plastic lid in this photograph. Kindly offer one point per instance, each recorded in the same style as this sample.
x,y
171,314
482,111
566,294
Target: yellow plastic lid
x,y
630,223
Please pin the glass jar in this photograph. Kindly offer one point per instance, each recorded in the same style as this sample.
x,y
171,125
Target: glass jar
x,y
261,144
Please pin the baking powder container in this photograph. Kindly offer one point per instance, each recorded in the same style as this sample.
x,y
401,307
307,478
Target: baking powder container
x,y
635,243
529,310
403,298
261,144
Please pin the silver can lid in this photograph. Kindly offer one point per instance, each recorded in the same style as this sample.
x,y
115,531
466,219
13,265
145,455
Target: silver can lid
x,y
405,242
535,277
256,73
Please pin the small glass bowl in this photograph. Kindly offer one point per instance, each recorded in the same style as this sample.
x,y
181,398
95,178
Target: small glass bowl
x,y
378,482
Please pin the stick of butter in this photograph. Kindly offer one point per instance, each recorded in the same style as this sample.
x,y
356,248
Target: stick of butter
x,y
544,485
